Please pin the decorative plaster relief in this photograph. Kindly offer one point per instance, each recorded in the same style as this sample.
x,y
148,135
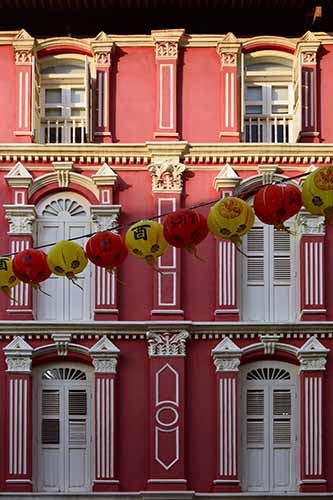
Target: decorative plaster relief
x,y
227,364
167,175
312,355
104,356
167,344
62,340
313,225
166,50
105,218
269,342
105,365
18,364
226,356
18,355
309,57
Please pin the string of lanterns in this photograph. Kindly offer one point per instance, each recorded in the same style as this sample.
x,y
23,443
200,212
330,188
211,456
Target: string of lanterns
x,y
229,218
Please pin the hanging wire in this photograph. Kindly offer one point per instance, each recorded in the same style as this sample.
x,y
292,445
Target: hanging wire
x,y
199,205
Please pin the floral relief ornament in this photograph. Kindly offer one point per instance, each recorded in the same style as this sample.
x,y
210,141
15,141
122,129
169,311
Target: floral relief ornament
x,y
105,365
167,344
167,175
167,50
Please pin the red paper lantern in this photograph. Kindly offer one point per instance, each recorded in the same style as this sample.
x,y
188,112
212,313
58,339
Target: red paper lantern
x,y
106,249
185,228
30,266
276,203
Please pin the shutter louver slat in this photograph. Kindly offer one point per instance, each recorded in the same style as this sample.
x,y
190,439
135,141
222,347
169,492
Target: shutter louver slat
x,y
281,241
255,432
282,269
281,432
255,402
50,403
50,431
255,239
77,403
282,403
77,432
255,270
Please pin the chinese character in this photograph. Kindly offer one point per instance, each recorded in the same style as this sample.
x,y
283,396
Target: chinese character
x,y
140,232
3,264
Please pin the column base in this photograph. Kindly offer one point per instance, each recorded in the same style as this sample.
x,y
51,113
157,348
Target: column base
x,y
106,314
319,486
225,486
166,485
19,485
106,485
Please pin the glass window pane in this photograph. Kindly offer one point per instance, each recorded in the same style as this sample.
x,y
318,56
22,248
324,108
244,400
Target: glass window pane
x,y
77,96
280,93
53,112
279,109
53,96
253,110
254,93
78,112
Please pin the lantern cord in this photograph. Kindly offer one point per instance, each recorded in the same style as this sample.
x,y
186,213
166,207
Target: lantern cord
x,y
240,251
199,205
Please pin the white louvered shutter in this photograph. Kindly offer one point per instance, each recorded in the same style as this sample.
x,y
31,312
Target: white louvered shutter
x,y
281,276
77,439
282,466
254,299
51,441
256,435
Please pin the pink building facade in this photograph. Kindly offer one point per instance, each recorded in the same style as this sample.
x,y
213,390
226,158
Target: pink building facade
x,y
212,377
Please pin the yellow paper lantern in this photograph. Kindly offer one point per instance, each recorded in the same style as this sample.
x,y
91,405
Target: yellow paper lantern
x,y
7,277
317,192
67,258
145,240
230,219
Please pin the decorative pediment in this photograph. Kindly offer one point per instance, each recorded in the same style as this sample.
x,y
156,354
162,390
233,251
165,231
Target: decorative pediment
x,y
226,356
18,346
308,37
104,346
226,178
226,346
313,345
23,35
18,355
18,177
230,37
102,37
23,45
105,176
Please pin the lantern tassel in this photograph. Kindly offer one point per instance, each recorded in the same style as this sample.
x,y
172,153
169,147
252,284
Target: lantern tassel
x,y
113,270
73,278
279,226
151,261
37,286
192,249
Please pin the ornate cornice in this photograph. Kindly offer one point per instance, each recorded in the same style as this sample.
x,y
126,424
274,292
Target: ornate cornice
x,y
162,343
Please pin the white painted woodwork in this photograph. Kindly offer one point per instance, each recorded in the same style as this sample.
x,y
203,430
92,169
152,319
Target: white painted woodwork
x,y
268,275
62,427
60,217
269,427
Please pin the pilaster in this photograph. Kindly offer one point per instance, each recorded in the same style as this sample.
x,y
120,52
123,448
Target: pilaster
x,y
312,356
226,357
167,186
21,220
226,258
106,287
229,51
105,358
19,432
103,47
23,46
166,410
166,53
312,267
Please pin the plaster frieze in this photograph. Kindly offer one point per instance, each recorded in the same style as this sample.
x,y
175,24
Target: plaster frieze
x,y
162,344
167,175
20,218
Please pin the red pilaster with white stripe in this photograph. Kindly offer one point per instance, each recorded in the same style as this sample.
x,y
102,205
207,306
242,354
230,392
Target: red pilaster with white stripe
x,y
166,411
227,359
312,269
166,46
103,96
229,126
309,92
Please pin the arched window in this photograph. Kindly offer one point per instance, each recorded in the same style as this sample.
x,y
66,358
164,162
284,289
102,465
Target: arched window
x,y
60,217
62,428
268,98
64,100
269,427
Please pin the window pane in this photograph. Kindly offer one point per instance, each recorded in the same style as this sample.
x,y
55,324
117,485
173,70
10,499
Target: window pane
x,y
253,110
78,112
280,109
53,112
77,96
280,93
53,96
254,93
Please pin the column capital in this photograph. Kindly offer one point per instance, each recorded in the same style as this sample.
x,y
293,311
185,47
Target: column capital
x,y
311,225
229,50
227,356
103,46
308,46
312,355
162,344
23,46
18,356
167,43
104,356
166,175
20,218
